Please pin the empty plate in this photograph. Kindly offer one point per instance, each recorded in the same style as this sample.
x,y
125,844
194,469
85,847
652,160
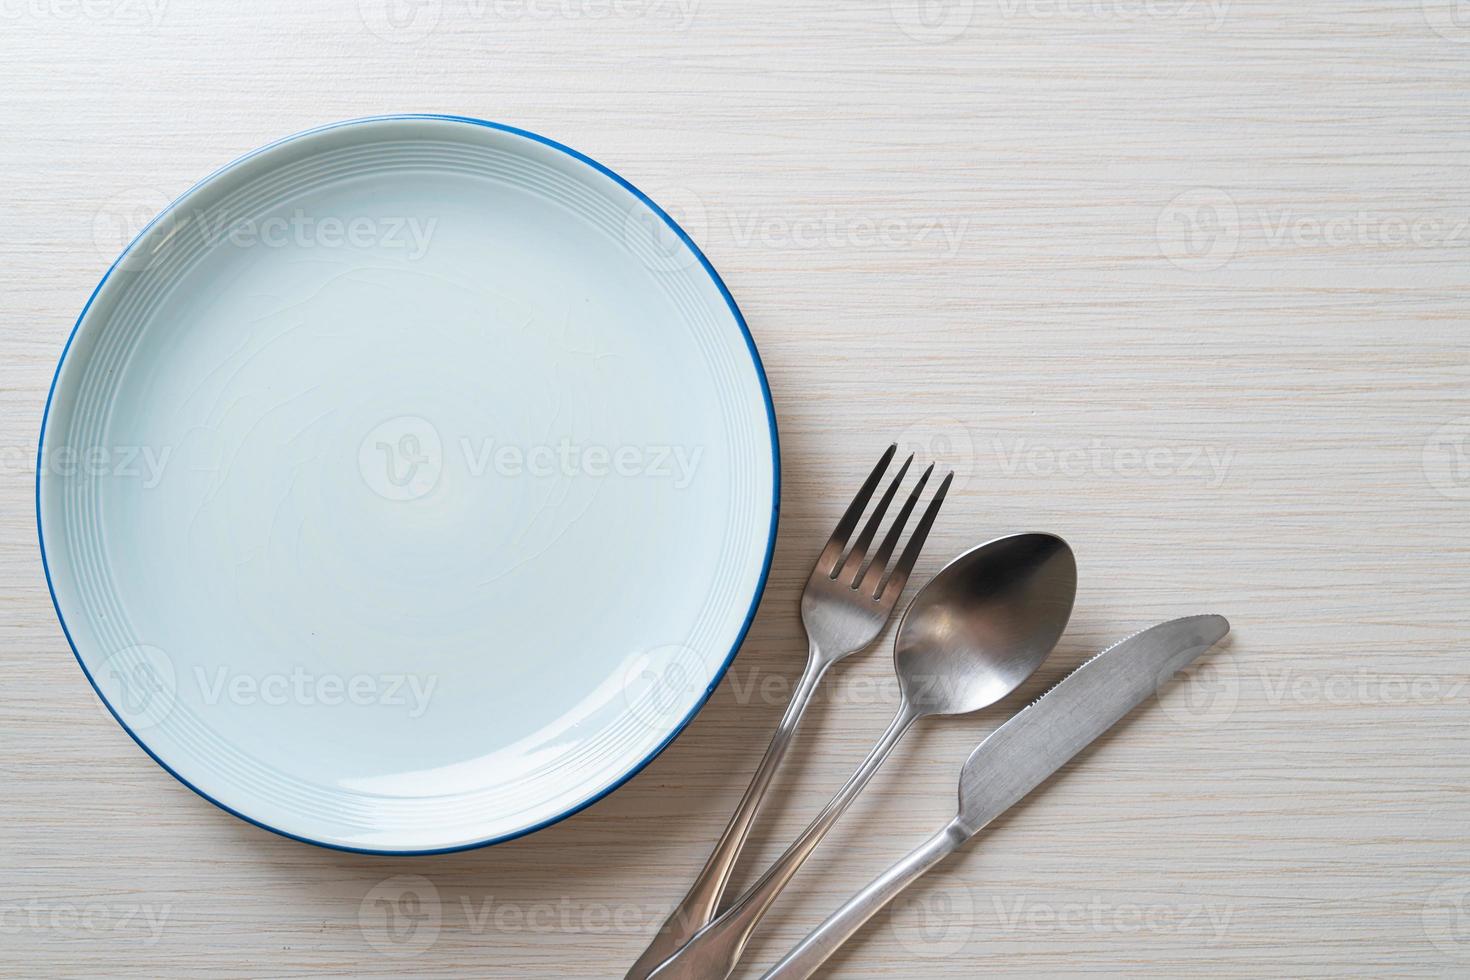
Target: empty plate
x,y
408,484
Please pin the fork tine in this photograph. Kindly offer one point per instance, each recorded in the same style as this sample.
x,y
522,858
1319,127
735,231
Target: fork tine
x,y
854,557
827,561
873,574
900,575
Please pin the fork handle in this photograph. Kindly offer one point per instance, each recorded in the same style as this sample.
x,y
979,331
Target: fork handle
x,y
702,901
715,950
809,955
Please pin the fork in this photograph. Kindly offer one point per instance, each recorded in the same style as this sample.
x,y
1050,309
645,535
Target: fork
x,y
847,601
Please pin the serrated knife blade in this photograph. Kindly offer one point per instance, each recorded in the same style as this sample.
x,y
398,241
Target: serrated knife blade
x,y
1020,754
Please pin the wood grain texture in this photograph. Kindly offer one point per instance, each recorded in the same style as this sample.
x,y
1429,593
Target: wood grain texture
x,y
1183,282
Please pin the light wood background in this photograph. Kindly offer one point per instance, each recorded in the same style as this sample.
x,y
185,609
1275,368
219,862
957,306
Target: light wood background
x,y
1183,282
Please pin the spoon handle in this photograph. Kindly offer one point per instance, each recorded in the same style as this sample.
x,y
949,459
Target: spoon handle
x,y
702,901
808,955
714,951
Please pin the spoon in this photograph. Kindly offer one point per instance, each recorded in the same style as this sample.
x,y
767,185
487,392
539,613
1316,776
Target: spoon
x,y
970,637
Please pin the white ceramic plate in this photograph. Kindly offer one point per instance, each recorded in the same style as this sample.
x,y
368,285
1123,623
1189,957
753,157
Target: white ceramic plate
x,y
408,484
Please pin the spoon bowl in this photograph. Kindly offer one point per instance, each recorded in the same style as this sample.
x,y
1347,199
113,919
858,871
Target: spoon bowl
x,y
972,635
984,623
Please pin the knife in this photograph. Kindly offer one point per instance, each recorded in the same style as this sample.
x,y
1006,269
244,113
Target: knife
x,y
1017,757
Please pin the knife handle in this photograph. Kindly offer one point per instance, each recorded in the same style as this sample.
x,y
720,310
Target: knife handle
x,y
808,955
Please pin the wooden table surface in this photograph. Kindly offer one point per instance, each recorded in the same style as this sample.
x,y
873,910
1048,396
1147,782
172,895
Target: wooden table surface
x,y
1183,281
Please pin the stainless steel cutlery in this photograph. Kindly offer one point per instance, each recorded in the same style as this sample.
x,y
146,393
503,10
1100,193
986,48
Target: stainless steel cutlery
x,y
847,602
972,635
1017,757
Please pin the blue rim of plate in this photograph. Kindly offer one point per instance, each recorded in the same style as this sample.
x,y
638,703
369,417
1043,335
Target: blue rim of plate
x,y
755,598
